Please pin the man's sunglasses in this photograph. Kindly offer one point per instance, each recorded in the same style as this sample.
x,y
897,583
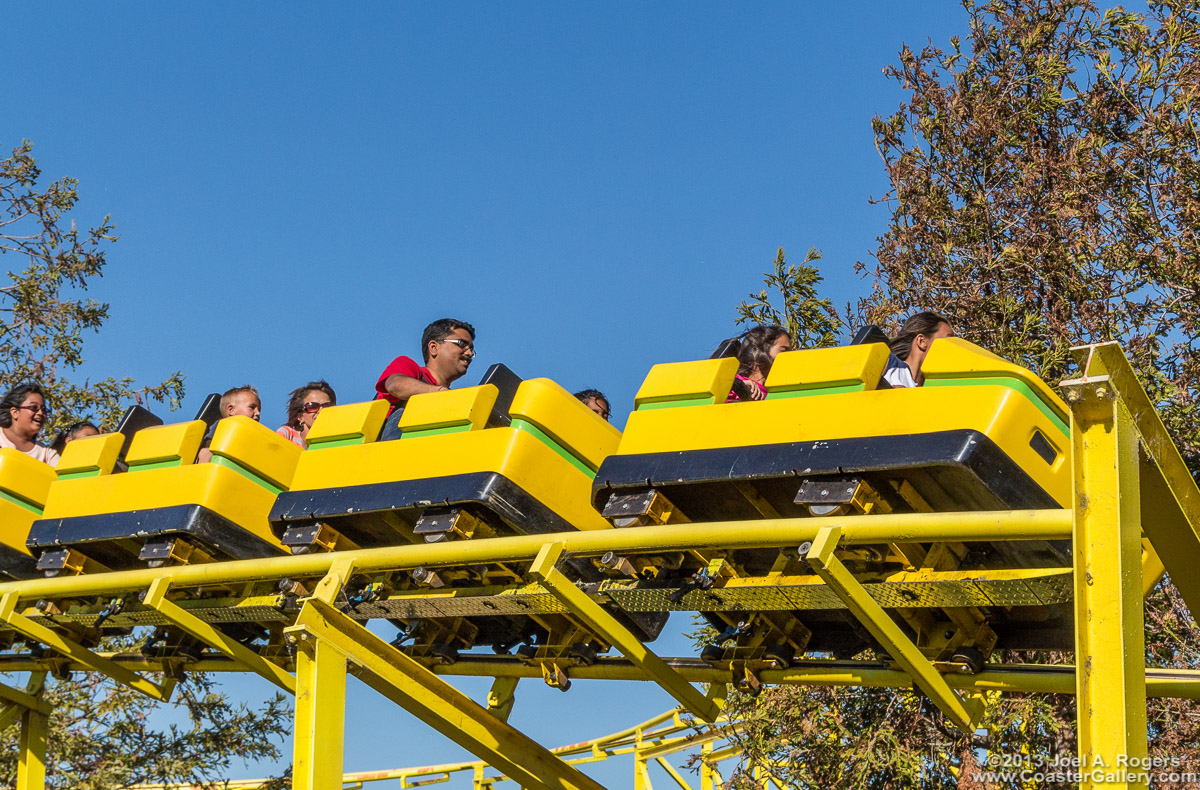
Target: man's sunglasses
x,y
466,345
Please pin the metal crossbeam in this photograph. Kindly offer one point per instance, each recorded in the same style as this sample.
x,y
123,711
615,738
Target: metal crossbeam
x,y
990,526
964,714
156,598
27,699
433,701
55,641
610,630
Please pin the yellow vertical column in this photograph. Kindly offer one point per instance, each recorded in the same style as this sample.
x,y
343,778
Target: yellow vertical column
x,y
31,761
320,715
1110,663
707,774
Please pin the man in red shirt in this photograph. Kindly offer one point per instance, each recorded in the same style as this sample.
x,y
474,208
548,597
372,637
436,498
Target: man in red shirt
x,y
447,346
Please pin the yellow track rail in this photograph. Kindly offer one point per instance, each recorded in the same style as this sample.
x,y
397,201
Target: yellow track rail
x,y
1136,511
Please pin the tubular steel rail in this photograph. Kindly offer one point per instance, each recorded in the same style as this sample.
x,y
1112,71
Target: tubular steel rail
x,y
650,742
1135,513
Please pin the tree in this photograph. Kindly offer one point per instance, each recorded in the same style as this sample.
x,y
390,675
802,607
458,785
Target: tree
x,y
1044,190
811,321
44,314
101,735
1044,193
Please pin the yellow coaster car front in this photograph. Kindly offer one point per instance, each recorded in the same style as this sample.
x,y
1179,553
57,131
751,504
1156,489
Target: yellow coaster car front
x,y
166,509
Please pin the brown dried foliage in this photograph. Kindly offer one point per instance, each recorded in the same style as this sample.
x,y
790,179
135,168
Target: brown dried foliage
x,y
1045,190
1045,193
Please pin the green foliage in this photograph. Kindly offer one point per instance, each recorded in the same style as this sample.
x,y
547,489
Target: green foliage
x,y
1045,193
104,736
1044,190
44,316
829,737
101,735
812,322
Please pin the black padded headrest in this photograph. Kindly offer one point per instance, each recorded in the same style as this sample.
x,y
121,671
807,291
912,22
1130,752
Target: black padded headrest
x,y
135,419
210,410
869,334
728,348
507,382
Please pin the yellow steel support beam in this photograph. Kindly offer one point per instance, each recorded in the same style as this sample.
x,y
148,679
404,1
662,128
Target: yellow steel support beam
x,y
988,526
641,776
17,701
1152,566
1010,678
610,630
32,712
671,772
31,757
319,736
334,580
10,714
631,741
1013,678
964,714
433,701
1109,640
30,700
501,697
710,779
212,636
1170,497
55,641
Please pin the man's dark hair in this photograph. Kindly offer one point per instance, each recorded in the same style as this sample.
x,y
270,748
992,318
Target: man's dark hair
x,y
440,330
296,399
13,398
923,323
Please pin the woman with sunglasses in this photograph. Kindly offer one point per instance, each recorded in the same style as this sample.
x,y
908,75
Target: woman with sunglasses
x,y
304,404
22,415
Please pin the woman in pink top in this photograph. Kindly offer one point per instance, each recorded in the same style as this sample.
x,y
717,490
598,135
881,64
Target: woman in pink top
x,y
304,404
756,350
22,415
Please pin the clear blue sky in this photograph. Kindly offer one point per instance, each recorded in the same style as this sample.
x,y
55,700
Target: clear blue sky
x,y
300,188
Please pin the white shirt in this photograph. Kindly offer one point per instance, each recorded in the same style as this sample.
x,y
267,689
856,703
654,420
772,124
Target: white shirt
x,y
39,452
897,373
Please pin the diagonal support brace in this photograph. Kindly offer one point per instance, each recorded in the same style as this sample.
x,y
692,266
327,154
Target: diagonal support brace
x,y
30,700
16,704
77,652
603,624
964,713
437,703
212,636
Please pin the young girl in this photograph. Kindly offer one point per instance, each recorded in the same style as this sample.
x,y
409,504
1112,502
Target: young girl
x,y
755,350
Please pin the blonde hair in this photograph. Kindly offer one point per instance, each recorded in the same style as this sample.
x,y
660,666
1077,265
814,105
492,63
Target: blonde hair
x,y
228,396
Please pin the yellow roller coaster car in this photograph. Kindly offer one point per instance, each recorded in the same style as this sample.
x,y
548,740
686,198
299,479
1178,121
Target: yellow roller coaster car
x,y
982,434
24,484
166,508
451,474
